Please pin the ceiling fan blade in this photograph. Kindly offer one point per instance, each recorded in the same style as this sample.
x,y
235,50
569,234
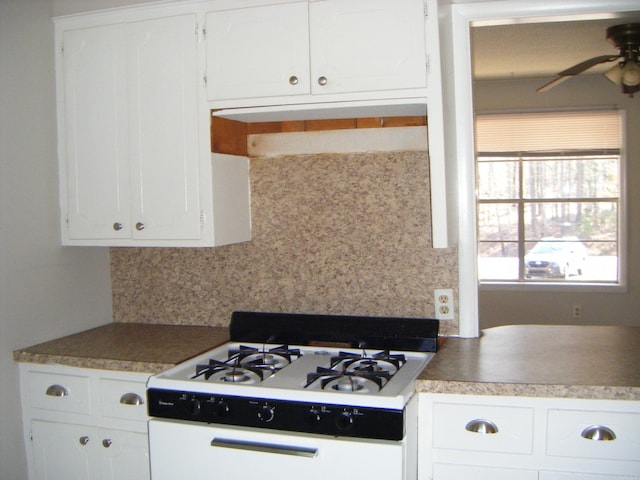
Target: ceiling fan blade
x,y
576,69
552,83
587,64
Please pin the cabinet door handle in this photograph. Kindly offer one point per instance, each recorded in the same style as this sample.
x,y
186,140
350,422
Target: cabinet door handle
x,y
139,226
57,391
131,399
106,443
117,226
83,440
486,427
322,81
293,80
598,433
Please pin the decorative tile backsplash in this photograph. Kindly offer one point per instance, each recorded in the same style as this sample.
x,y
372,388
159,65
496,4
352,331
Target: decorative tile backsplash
x,y
332,234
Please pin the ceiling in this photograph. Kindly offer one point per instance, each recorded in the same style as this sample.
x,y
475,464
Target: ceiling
x,y
530,50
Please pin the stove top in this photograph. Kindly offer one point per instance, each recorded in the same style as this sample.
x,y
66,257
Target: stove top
x,y
320,374
303,373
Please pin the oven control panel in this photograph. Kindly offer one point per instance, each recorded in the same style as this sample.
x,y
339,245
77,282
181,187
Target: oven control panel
x,y
284,415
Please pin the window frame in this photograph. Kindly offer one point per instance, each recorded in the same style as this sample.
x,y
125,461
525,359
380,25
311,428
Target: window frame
x,y
523,284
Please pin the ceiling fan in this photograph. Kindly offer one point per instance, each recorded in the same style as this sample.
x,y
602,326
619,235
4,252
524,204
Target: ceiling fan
x,y
626,72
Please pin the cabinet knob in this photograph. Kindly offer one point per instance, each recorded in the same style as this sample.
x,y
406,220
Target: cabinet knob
x,y
293,80
106,443
598,433
139,226
83,440
56,391
117,226
485,427
322,81
131,399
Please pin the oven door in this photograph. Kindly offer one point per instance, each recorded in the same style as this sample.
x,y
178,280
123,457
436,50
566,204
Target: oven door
x,y
200,451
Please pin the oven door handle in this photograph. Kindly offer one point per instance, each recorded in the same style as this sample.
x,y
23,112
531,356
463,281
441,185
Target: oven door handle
x,y
265,447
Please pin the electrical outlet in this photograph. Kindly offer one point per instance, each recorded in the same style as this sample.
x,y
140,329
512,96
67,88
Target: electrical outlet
x,y
444,303
577,311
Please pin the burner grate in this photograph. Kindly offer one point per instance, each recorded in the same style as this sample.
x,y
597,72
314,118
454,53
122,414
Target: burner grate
x,y
247,364
383,361
354,372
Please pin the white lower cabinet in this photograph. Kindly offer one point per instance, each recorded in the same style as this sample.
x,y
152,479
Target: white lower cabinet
x,y
67,451
498,437
84,424
464,472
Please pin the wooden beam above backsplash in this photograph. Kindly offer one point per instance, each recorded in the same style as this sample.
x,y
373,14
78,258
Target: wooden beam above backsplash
x,y
230,136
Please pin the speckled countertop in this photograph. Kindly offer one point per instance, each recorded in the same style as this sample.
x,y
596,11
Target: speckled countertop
x,y
539,361
127,346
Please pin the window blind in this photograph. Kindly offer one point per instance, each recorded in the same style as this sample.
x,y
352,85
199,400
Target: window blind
x,y
552,131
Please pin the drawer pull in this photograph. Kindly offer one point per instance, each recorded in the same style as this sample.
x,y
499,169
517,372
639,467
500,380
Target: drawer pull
x,y
485,427
598,433
57,391
131,399
264,447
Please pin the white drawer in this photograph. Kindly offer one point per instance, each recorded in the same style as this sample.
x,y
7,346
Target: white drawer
x,y
453,428
442,471
567,430
583,476
123,399
59,392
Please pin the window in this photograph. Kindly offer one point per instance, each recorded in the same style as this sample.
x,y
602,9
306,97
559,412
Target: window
x,y
549,197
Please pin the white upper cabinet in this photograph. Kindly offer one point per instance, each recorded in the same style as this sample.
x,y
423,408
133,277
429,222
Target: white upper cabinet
x,y
367,45
315,48
258,52
135,161
96,142
163,146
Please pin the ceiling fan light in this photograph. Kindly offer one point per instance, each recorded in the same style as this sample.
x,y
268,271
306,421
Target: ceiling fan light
x,y
630,89
614,74
631,74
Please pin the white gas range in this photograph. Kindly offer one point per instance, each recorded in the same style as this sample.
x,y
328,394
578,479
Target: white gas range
x,y
309,391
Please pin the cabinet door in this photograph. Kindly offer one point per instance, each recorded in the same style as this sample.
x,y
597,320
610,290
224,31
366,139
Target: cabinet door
x,y
364,45
64,451
125,455
258,52
94,150
163,150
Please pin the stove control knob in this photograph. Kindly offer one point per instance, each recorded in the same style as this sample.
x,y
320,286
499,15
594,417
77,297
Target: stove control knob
x,y
344,420
314,415
221,408
266,413
194,406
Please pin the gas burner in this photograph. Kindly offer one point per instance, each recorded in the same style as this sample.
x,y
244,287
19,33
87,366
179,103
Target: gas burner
x,y
272,359
247,364
381,362
239,375
216,371
349,381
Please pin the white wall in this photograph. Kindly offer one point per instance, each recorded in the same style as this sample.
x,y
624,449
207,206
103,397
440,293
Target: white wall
x,y
503,307
46,291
